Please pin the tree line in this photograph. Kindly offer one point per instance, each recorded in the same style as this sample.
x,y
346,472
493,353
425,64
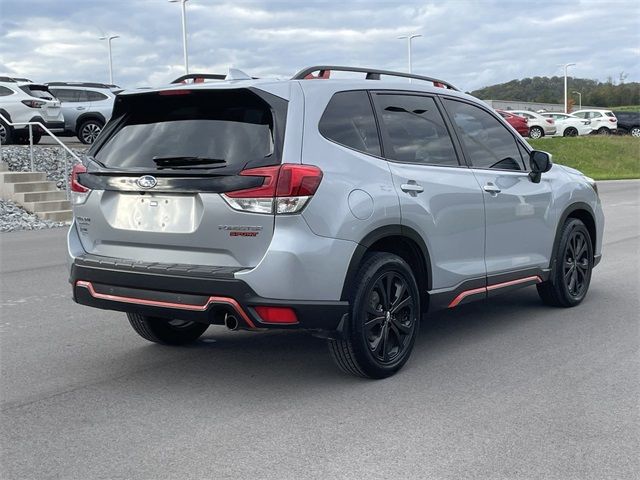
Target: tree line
x,y
551,90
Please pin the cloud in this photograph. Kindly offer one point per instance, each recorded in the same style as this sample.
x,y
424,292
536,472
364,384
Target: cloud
x,y
469,43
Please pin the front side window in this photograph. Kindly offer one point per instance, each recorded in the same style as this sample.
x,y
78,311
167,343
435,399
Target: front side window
x,y
487,142
348,120
414,130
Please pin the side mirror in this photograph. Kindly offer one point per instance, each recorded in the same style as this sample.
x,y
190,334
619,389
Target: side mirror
x,y
539,162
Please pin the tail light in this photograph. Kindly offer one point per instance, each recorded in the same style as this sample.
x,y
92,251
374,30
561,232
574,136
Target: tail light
x,y
613,119
285,189
79,193
34,103
550,120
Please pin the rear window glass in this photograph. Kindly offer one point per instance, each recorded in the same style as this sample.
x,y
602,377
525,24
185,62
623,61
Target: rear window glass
x,y
610,114
96,96
37,92
196,130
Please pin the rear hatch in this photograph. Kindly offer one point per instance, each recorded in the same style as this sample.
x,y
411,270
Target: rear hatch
x,y
156,175
50,107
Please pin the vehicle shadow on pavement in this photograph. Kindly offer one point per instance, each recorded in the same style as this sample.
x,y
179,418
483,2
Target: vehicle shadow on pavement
x,y
296,358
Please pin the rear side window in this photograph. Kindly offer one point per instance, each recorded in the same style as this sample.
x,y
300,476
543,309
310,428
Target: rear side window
x,y
4,91
414,131
348,120
487,141
195,130
95,96
610,114
71,95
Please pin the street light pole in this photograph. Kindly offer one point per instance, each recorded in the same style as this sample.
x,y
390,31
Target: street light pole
x,y
108,38
409,38
183,4
566,66
580,99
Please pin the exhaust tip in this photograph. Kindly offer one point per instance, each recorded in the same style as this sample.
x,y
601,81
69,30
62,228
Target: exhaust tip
x,y
231,322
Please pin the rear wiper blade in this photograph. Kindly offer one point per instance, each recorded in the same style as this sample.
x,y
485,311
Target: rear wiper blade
x,y
186,161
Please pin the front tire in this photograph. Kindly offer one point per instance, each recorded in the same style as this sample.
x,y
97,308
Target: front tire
x,y
384,319
536,132
571,275
635,132
166,332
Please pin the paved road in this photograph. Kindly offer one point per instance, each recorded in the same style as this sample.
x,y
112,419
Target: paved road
x,y
503,390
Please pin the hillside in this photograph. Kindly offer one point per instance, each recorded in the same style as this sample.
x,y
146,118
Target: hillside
x,y
551,90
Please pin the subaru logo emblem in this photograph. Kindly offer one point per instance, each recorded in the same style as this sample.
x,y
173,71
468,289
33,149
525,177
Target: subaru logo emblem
x,y
147,181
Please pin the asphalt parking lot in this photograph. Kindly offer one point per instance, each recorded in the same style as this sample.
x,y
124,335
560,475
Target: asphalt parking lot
x,y
508,389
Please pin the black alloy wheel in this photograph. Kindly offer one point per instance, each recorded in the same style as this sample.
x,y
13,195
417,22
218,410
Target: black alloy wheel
x,y
570,276
389,317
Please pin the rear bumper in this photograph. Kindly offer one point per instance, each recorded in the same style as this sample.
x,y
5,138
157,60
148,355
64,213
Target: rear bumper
x,y
186,295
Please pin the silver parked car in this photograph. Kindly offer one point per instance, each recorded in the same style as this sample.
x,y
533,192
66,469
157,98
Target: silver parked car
x,y
539,126
347,208
86,107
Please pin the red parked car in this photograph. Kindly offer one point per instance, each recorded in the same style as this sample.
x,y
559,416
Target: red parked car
x,y
521,124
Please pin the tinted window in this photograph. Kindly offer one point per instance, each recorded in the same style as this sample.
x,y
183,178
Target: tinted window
x,y
414,130
487,142
197,130
37,91
70,95
610,114
4,91
96,96
348,120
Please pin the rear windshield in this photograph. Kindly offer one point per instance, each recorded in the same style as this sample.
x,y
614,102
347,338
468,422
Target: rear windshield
x,y
37,91
194,130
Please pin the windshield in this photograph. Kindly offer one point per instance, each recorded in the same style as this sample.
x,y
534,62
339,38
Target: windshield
x,y
233,127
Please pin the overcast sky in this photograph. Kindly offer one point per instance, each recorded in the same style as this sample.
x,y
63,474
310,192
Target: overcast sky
x,y
469,43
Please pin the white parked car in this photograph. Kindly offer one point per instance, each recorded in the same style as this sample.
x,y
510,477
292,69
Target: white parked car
x,y
539,126
27,102
568,125
603,122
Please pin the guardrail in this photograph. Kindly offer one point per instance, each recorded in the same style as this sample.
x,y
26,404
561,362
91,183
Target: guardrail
x,y
67,150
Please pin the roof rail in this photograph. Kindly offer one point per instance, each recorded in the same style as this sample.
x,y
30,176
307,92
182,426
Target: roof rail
x,y
324,71
7,79
81,84
199,77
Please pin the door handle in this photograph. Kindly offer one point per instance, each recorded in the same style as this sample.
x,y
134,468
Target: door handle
x,y
491,188
80,108
411,187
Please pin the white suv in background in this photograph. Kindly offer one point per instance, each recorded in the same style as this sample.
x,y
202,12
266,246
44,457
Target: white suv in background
x,y
539,126
603,122
568,125
27,102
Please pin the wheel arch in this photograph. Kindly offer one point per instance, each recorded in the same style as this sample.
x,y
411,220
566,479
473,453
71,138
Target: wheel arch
x,y
5,114
400,240
583,212
89,116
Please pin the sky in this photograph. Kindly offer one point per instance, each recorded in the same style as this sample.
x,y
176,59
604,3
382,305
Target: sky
x,y
468,43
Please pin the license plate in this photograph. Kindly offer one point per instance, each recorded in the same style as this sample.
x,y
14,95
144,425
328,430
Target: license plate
x,y
152,213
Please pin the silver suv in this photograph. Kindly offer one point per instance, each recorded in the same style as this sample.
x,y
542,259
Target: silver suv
x,y
346,207
86,107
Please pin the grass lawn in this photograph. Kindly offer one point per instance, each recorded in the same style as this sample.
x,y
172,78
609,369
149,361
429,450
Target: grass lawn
x,y
600,157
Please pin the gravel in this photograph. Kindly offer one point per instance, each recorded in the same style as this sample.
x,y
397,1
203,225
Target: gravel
x,y
14,217
45,159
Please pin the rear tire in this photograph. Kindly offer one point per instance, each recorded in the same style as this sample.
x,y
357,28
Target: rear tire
x,y
384,319
536,132
604,131
570,132
6,134
89,131
166,332
573,262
